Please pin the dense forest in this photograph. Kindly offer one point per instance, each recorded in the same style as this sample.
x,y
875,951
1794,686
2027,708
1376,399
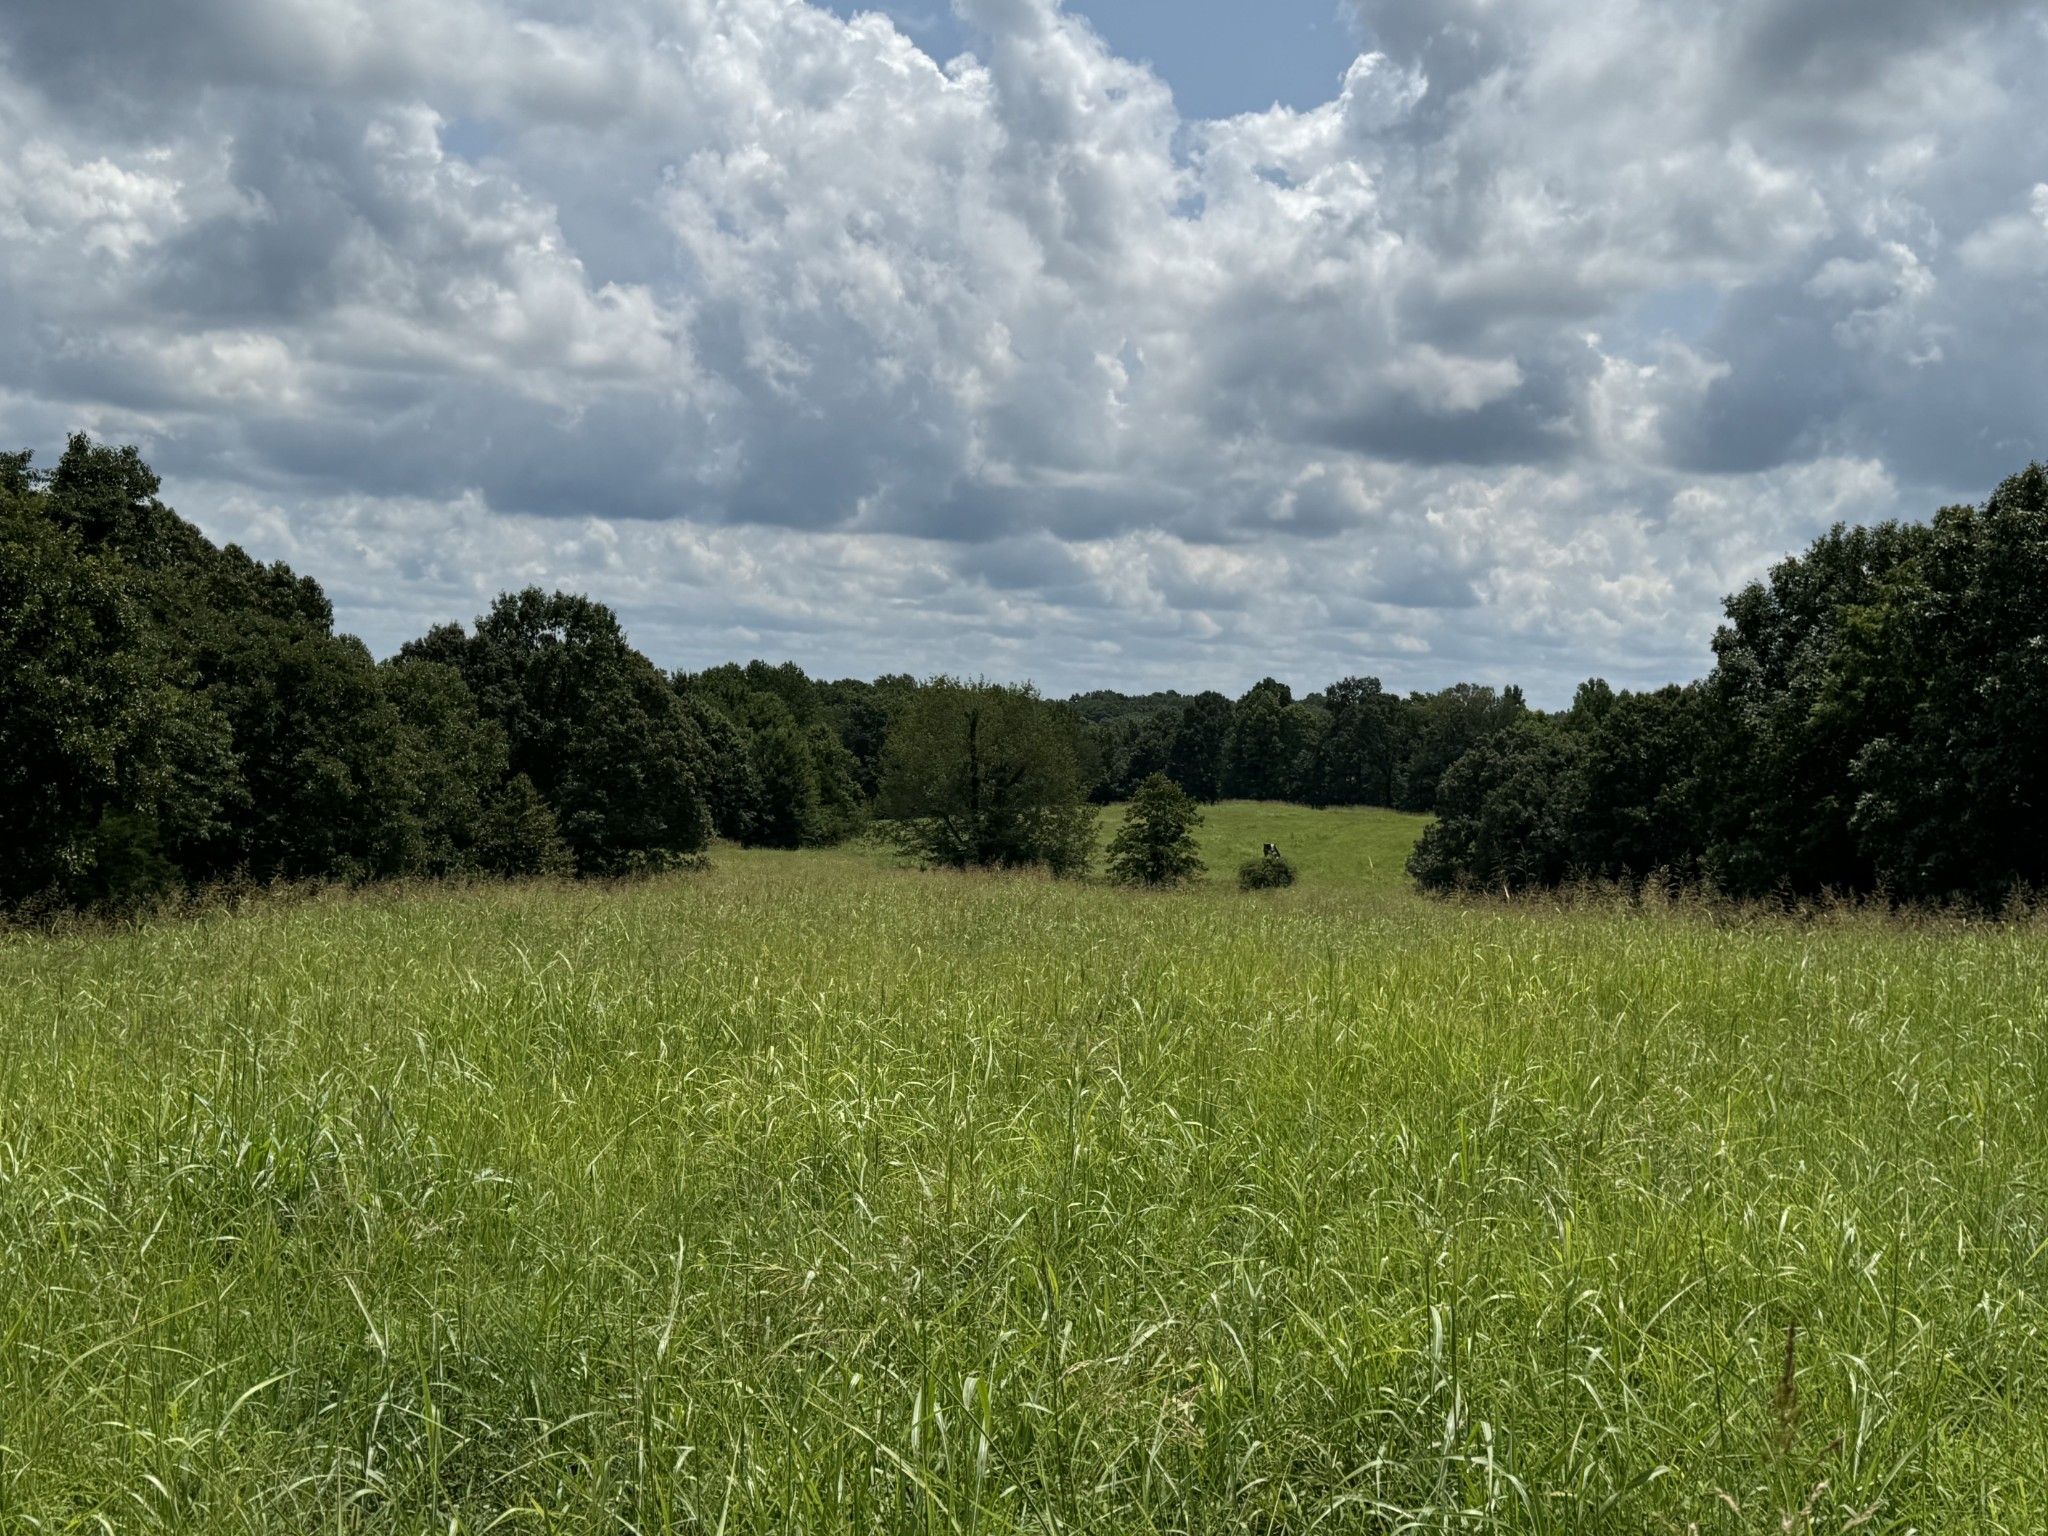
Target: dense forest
x,y
174,714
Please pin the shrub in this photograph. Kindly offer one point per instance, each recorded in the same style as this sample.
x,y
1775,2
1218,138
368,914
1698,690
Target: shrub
x,y
1264,874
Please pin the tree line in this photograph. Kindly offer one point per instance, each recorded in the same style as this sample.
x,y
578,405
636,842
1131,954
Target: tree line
x,y
1875,721
177,713
1353,743
173,713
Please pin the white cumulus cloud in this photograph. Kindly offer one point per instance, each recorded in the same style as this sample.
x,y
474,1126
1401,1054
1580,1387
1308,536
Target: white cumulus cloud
x,y
1554,323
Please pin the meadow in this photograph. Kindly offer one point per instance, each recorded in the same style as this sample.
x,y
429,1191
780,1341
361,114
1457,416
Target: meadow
x,y
813,1193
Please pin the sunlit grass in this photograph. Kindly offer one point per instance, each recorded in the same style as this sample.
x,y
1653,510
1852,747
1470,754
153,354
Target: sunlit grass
x,y
1361,850
814,1194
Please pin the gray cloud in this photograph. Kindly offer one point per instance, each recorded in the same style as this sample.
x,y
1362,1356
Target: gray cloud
x,y
1556,323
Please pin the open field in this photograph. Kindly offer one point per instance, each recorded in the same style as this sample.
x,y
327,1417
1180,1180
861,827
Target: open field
x,y
1350,850
813,1194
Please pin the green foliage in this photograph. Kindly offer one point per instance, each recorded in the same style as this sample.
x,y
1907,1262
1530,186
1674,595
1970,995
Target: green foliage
x,y
517,834
1196,759
842,807
177,713
1104,705
1875,719
1122,753
1268,872
187,714
278,753
1359,758
1782,765
1352,744
1267,735
1188,739
1442,727
451,762
1945,674
859,713
592,723
788,683
1506,812
788,787
1590,704
779,774
80,699
1156,844
319,791
107,497
732,794
978,774
1612,789
1644,805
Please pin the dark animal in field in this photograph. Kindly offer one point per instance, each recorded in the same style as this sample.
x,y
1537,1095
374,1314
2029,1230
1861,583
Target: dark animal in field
x,y
1272,850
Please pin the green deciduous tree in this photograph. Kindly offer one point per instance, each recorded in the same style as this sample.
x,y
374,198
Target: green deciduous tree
x,y
1260,753
859,713
1944,674
1440,727
319,789
984,775
452,762
1643,804
732,795
79,701
590,721
1156,844
281,756
1357,759
1506,812
842,804
788,786
1876,717
778,774
1781,766
1127,750
1195,761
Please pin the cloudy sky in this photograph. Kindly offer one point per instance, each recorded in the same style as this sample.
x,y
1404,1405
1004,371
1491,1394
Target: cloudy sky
x,y
1115,343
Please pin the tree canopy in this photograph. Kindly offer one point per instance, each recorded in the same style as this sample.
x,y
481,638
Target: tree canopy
x,y
1156,843
595,727
985,775
1875,720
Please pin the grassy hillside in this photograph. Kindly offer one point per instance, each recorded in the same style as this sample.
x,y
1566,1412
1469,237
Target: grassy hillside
x,y
1354,849
811,1194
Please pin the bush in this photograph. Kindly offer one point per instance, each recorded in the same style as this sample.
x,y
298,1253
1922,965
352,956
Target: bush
x,y
1264,874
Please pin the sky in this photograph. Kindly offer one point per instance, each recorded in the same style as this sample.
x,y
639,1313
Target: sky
x,y
1121,344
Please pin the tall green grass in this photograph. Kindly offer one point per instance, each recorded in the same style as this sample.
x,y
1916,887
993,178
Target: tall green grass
x,y
813,1195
